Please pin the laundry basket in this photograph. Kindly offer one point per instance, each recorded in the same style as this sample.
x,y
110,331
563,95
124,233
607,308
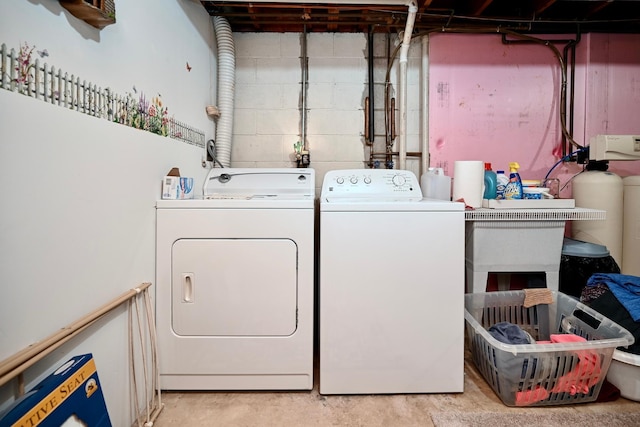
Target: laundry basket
x,y
542,374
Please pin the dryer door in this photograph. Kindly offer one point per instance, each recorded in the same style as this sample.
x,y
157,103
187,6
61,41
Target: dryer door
x,y
234,287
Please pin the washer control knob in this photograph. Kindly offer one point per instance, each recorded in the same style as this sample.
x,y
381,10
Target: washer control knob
x,y
367,180
340,180
398,180
354,180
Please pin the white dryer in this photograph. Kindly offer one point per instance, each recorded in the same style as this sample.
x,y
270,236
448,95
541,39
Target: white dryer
x,y
391,286
235,283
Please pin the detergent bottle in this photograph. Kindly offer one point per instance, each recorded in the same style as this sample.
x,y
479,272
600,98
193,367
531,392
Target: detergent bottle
x,y
513,190
490,182
501,183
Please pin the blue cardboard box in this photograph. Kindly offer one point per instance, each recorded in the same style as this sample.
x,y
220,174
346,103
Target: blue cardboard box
x,y
73,392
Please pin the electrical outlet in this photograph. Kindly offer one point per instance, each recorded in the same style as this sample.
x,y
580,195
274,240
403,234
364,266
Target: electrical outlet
x,y
303,159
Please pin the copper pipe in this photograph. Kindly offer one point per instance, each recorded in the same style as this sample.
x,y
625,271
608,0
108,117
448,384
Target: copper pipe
x,y
380,154
393,118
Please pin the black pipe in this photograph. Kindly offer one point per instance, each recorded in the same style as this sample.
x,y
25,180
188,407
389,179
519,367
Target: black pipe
x,y
526,39
371,90
572,89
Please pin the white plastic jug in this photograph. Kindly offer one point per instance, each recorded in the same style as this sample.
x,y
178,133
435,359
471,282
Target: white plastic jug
x,y
435,184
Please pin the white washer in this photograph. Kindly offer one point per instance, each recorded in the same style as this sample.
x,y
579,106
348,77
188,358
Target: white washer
x,y
235,283
391,286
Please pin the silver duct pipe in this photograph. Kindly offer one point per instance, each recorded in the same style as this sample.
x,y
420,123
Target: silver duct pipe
x,y
226,89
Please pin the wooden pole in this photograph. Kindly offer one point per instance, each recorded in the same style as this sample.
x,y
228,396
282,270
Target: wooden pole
x,y
22,360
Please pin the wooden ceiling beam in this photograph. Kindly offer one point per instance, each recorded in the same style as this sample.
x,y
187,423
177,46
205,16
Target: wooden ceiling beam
x,y
252,17
548,16
596,7
539,6
476,7
424,5
334,15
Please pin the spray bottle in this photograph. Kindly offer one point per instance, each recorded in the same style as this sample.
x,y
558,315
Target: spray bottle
x,y
513,190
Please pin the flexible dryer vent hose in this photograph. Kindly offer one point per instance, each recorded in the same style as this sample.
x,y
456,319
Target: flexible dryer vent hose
x,y
226,88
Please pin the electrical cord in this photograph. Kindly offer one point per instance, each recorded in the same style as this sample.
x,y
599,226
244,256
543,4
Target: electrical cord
x,y
565,158
571,179
211,150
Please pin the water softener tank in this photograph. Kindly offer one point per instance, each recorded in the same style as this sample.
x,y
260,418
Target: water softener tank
x,y
631,226
600,190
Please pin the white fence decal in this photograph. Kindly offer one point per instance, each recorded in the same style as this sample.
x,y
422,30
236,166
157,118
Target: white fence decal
x,y
21,73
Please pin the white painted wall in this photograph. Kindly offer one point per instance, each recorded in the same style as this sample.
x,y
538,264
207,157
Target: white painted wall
x,y
78,227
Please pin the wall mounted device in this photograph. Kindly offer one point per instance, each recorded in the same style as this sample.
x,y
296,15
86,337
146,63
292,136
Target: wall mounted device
x,y
614,147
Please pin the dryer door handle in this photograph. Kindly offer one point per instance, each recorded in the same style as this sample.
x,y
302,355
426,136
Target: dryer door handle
x,y
187,287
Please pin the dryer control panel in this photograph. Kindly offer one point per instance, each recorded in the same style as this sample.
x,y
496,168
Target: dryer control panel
x,y
373,184
250,183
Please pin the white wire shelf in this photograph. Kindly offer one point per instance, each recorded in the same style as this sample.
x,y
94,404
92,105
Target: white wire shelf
x,y
574,214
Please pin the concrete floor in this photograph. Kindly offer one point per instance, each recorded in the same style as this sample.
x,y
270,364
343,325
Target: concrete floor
x,y
477,406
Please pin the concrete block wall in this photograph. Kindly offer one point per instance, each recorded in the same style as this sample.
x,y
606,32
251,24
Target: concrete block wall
x,y
267,121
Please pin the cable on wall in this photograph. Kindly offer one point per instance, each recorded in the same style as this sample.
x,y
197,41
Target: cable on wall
x,y
211,151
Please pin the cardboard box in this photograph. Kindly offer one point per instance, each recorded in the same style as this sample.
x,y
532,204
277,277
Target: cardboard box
x,y
71,394
176,187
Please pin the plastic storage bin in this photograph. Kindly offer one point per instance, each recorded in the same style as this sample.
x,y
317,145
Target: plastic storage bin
x,y
624,373
542,374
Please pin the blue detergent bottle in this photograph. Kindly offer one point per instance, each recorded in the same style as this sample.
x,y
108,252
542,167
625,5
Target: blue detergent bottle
x,y
513,190
490,182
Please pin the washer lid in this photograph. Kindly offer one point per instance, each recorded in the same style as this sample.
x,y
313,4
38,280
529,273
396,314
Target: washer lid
x,y
259,183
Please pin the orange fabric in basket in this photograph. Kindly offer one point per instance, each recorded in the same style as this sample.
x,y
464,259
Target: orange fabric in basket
x,y
528,397
584,375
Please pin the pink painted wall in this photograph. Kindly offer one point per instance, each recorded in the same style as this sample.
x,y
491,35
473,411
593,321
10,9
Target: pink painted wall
x,y
499,103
